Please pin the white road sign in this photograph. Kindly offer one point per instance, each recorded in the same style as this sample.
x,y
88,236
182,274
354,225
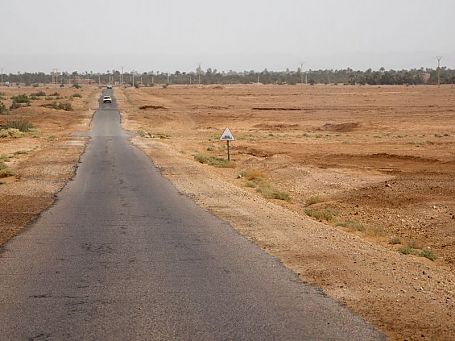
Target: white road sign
x,y
227,135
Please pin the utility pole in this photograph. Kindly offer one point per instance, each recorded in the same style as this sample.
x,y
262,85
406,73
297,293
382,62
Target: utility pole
x,y
133,78
439,69
199,70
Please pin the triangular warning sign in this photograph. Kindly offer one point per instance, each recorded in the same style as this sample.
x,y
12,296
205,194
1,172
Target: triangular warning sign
x,y
227,135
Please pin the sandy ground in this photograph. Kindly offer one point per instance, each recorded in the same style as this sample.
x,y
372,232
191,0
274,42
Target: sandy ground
x,y
42,160
367,173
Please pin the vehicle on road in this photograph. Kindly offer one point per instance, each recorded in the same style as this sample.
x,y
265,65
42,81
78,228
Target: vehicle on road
x,y
109,86
107,99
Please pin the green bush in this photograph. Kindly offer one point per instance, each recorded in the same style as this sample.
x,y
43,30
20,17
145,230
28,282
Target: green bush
x,y
3,109
78,95
428,253
269,192
351,224
323,214
76,86
59,106
38,94
213,161
406,250
21,125
21,99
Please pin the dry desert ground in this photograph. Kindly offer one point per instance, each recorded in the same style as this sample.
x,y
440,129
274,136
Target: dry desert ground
x,y
351,187
36,164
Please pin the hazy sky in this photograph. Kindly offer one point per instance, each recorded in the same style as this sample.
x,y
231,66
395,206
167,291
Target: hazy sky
x,y
169,35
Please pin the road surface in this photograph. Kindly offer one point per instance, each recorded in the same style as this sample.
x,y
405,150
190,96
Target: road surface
x,y
123,256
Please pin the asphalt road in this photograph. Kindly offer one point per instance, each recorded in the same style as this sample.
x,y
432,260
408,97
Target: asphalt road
x,y
123,256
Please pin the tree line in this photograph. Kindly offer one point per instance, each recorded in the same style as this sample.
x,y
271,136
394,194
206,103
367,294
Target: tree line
x,y
213,76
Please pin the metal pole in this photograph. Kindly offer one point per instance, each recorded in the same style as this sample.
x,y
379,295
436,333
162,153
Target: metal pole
x,y
229,150
439,70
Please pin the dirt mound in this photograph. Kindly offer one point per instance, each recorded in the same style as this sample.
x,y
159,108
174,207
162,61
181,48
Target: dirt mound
x,y
153,107
254,152
278,126
276,109
403,157
341,127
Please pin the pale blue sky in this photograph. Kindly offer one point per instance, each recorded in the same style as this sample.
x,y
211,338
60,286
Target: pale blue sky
x,y
169,35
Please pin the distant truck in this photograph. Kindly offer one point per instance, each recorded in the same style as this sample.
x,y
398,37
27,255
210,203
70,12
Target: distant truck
x,y
109,86
107,99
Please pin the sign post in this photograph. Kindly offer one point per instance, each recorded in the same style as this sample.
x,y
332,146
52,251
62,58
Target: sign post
x,y
228,137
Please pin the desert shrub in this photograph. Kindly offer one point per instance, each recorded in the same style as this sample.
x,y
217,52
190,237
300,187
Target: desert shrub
x,y
351,224
428,253
326,214
55,94
269,192
256,179
3,109
78,95
213,161
59,106
21,125
406,250
253,175
251,184
76,86
38,94
65,106
21,99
